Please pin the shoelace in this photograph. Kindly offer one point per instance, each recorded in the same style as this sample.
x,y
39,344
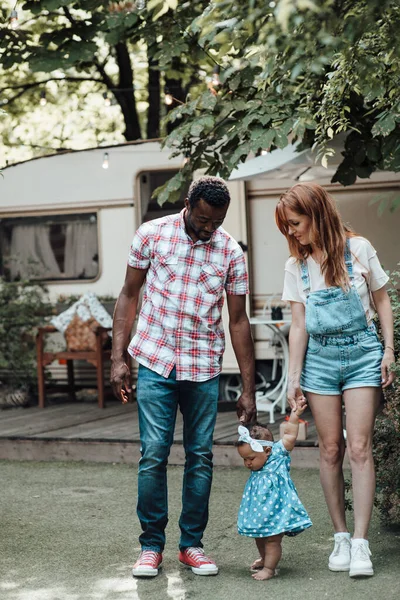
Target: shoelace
x,y
341,545
148,558
198,554
361,552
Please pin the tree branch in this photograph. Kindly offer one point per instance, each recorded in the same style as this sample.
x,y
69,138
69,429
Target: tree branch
x,y
36,83
28,86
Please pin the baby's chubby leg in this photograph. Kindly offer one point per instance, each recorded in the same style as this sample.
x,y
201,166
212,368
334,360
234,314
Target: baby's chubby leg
x,y
259,562
272,555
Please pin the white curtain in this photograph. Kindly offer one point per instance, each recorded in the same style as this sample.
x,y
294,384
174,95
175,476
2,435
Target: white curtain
x,y
81,250
31,254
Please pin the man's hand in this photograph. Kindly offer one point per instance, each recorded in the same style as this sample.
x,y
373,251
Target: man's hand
x,y
121,381
246,409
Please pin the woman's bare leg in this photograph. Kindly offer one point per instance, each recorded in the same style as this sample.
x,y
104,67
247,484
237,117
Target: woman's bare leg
x,y
361,408
272,556
327,413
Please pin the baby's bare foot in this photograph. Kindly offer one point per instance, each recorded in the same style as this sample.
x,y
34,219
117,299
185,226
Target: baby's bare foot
x,y
257,564
264,574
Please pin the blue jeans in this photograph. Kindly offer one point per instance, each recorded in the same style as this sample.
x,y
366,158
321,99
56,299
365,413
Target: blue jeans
x,y
333,364
158,399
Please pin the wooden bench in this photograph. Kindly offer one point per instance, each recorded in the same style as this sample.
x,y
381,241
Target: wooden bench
x,y
96,358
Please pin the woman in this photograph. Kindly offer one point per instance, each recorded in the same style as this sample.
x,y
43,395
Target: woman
x,y
335,283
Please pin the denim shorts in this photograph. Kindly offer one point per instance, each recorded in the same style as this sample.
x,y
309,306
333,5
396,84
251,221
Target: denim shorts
x,y
336,363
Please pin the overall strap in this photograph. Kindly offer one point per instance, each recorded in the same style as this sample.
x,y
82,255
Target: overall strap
x,y
305,277
347,259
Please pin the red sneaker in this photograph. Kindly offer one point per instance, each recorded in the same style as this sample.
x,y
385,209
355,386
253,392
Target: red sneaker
x,y
198,561
147,564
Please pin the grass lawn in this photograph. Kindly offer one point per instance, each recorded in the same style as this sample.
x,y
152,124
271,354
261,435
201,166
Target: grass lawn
x,y
69,532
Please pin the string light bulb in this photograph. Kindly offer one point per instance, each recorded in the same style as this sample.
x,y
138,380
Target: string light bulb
x,y
107,100
140,4
168,99
215,76
43,99
186,158
264,152
105,164
14,19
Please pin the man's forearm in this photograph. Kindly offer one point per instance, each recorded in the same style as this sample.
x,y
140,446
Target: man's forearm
x,y
243,346
124,317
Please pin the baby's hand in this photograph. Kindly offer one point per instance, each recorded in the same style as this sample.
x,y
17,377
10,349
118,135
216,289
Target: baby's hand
x,y
301,406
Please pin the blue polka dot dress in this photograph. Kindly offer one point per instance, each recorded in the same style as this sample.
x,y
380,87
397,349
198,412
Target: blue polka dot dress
x,y
270,504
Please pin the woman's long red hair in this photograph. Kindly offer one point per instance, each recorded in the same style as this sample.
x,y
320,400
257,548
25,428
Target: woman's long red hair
x,y
327,230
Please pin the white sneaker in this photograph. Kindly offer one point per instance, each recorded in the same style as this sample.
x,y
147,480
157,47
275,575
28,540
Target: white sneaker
x,y
360,563
339,560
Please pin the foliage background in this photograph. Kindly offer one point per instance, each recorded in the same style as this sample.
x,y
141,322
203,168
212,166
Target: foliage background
x,y
75,51
291,72
387,431
23,308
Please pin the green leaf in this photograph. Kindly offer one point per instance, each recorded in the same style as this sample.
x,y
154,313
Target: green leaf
x,y
200,125
381,208
373,152
208,100
154,4
267,139
363,171
239,154
281,139
395,204
384,126
376,199
345,174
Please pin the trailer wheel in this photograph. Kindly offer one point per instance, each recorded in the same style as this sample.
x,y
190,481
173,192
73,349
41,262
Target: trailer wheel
x,y
233,386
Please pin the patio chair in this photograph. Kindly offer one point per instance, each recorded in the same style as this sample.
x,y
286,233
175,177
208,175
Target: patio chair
x,y
96,357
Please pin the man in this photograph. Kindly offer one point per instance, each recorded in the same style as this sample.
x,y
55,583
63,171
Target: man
x,y
185,262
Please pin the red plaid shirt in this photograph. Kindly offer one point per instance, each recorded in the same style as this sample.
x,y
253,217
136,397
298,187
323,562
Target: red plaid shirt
x,y
180,320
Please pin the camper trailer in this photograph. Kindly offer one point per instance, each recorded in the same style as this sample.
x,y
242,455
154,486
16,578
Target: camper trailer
x,y
74,215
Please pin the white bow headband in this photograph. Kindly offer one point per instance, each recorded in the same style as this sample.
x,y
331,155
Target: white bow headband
x,y
256,445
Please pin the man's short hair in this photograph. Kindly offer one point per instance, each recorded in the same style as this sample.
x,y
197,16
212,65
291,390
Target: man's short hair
x,y
212,190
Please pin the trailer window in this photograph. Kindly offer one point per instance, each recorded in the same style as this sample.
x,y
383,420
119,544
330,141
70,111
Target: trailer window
x,y
49,248
150,209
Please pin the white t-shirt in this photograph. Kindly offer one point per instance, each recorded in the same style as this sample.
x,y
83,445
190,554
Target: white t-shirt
x,y
368,275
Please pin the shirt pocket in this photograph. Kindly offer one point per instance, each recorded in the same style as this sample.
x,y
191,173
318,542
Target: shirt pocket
x,y
165,269
212,279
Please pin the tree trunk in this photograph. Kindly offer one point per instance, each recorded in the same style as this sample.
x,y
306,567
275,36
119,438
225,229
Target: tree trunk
x,y
125,95
176,89
153,112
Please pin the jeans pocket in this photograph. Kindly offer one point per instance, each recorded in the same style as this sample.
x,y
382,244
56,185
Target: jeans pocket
x,y
370,343
314,347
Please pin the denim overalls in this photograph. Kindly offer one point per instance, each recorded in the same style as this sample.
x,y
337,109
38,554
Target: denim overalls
x,y
343,351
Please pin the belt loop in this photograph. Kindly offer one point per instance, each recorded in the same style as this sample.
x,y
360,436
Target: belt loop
x,y
324,341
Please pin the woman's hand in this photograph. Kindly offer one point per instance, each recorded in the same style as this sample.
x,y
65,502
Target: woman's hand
x,y
295,395
301,406
387,375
